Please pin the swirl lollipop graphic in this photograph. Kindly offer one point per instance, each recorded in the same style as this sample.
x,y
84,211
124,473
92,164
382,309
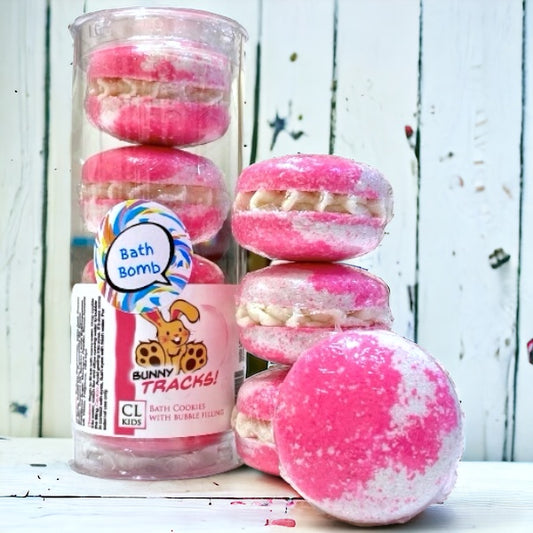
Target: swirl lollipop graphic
x,y
142,256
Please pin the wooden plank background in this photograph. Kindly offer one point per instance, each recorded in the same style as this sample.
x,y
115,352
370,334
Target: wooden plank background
x,y
435,94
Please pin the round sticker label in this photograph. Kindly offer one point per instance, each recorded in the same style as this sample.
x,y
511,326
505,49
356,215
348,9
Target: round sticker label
x,y
142,256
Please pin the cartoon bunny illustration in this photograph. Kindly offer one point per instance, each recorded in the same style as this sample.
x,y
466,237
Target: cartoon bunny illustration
x,y
172,346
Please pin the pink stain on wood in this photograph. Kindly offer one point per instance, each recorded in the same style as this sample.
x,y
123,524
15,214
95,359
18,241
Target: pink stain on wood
x,y
285,522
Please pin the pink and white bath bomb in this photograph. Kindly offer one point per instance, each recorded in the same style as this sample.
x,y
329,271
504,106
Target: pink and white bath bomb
x,y
252,419
283,309
170,94
190,185
368,428
311,207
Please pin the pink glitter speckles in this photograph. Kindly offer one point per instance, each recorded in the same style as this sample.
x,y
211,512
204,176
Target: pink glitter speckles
x,y
444,404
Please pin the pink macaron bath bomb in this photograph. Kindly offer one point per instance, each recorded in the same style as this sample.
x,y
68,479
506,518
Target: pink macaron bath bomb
x,y
311,208
252,419
190,185
368,428
205,271
174,95
283,309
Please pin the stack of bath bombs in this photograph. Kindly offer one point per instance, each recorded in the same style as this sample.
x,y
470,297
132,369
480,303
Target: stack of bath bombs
x,y
362,422
160,98
155,100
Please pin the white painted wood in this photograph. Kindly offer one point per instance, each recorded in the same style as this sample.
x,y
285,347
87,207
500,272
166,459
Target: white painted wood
x,y
22,119
157,515
56,352
296,77
56,478
488,496
469,199
523,445
470,107
376,98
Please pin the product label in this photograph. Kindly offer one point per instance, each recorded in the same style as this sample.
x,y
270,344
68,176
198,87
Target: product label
x,y
169,372
142,256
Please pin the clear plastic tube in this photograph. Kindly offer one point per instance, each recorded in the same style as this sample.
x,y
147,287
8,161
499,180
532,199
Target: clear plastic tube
x,y
156,136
